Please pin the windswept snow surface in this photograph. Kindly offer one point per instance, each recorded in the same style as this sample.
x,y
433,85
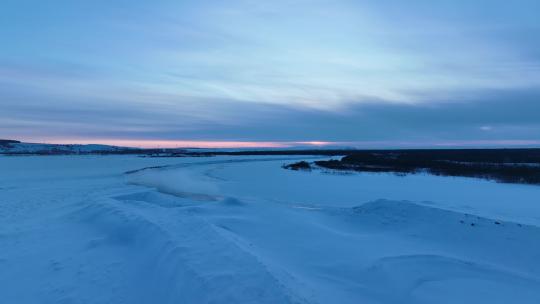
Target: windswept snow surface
x,y
78,229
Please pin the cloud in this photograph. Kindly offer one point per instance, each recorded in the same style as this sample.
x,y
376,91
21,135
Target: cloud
x,y
282,70
509,115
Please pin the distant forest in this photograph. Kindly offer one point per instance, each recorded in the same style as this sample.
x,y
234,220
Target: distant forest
x,y
501,165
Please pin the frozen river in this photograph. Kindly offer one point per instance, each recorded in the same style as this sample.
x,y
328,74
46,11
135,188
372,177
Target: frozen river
x,y
243,230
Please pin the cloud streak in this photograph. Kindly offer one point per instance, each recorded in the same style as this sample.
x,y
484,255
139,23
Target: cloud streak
x,y
277,71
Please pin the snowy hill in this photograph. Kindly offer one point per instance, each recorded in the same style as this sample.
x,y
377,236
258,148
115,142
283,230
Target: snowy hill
x,y
17,147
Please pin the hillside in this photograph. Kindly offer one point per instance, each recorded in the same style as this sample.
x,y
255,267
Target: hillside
x,y
15,147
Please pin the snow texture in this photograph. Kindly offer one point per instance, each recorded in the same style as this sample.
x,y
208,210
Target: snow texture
x,y
79,229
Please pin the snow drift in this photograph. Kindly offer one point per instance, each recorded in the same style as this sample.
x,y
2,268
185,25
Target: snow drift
x,y
234,232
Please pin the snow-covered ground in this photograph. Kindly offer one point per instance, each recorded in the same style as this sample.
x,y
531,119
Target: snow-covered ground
x,y
78,229
37,148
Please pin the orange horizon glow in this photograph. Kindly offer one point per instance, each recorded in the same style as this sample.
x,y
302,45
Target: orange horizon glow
x,y
190,143
216,144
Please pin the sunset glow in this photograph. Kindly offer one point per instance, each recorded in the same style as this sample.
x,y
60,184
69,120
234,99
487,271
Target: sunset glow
x,y
166,144
191,143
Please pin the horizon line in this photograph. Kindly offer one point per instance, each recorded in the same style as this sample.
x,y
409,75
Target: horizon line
x,y
239,144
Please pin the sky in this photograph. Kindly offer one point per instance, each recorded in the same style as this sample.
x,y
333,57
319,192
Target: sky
x,y
367,73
